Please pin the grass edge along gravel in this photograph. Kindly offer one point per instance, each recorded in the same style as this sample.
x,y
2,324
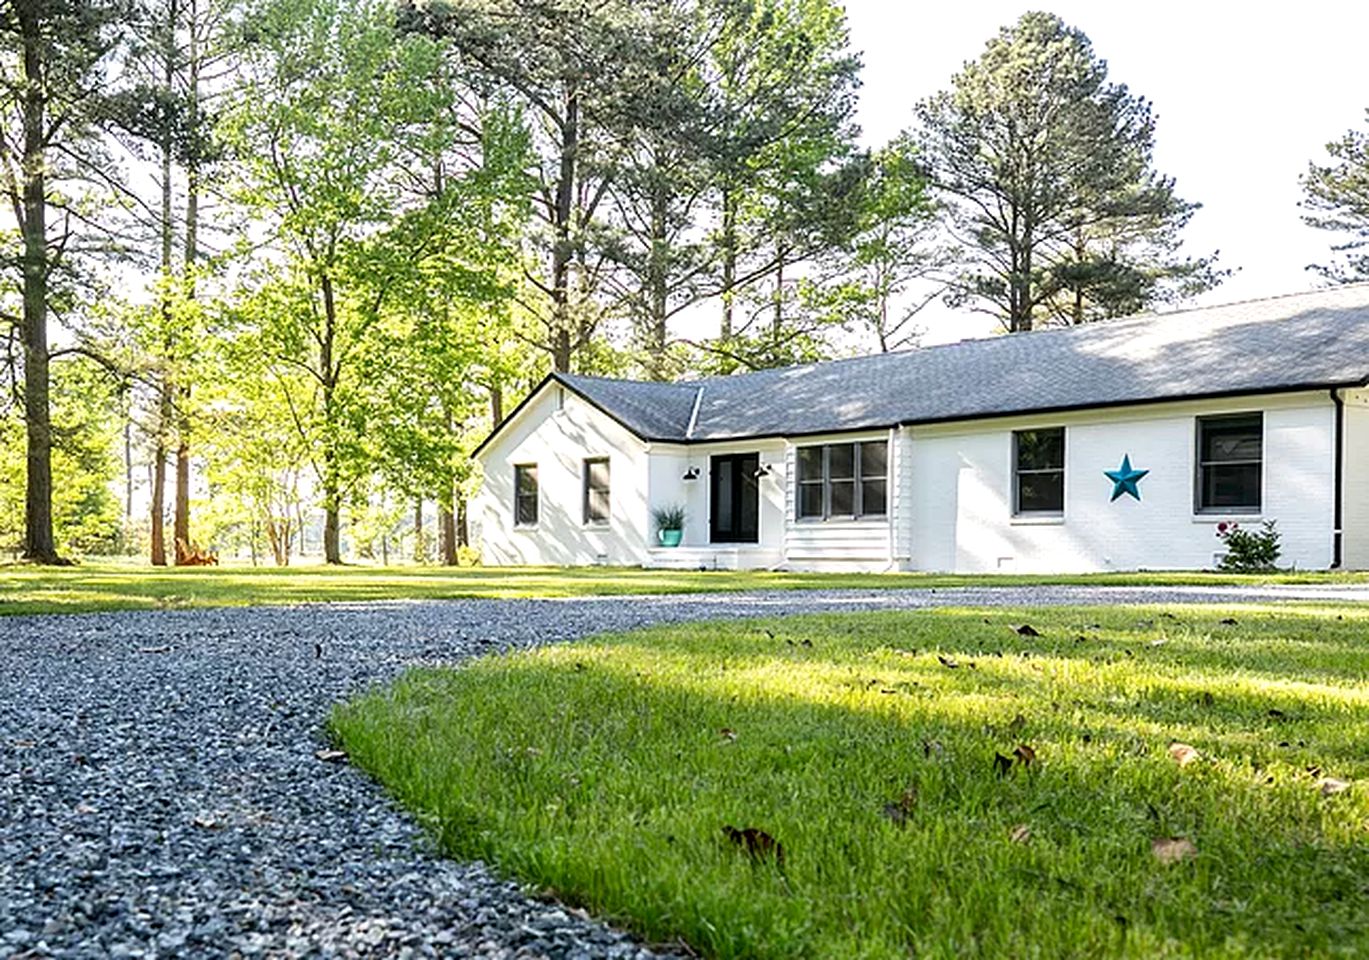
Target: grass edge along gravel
x,y
97,587
882,752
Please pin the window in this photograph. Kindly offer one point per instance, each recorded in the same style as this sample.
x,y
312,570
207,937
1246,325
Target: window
x,y
1039,471
596,490
843,480
525,495
1230,461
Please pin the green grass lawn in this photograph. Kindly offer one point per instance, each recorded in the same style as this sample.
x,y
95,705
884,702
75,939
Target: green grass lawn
x,y
124,586
604,772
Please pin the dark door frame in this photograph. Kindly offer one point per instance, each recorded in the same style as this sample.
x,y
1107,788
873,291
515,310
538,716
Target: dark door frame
x,y
741,474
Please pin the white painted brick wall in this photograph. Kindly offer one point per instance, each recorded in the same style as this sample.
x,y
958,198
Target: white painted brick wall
x,y
559,441
962,490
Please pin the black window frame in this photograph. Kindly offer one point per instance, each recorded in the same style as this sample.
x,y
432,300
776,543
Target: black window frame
x,y
1018,472
1201,465
857,480
521,471
588,490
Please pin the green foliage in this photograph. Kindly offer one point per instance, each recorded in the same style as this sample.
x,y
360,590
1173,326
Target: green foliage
x,y
865,747
671,517
1336,198
1249,551
395,232
85,422
1047,170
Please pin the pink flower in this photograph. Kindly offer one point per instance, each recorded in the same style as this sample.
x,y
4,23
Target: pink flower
x,y
1222,528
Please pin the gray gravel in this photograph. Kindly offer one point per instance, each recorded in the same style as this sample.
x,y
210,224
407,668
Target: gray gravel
x,y
160,796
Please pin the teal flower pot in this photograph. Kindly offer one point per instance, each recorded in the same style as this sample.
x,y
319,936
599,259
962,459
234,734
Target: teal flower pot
x,y
670,538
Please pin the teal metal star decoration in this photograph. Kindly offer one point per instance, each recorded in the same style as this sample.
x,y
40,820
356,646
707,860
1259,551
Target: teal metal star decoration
x,y
1125,479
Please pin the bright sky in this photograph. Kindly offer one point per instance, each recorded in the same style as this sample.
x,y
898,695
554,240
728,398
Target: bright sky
x,y
1245,94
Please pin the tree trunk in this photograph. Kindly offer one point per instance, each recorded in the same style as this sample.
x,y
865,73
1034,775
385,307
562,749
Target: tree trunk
x,y
446,522
128,456
192,217
332,535
777,318
496,405
158,518
39,544
420,551
463,522
332,480
729,241
562,251
181,523
657,283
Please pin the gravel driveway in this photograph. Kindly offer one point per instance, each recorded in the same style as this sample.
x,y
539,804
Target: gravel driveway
x,y
160,796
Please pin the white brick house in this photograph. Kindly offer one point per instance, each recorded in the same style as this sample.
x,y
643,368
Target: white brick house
x,y
983,456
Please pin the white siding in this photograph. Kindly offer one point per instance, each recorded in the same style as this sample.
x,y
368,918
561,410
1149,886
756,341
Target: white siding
x,y
903,492
856,545
559,441
1355,521
962,490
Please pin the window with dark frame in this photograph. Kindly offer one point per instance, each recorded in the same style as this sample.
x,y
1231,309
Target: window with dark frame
x,y
844,481
525,495
596,490
1039,471
1230,463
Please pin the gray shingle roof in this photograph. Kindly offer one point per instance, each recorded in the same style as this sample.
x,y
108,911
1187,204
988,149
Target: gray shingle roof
x,y
1301,341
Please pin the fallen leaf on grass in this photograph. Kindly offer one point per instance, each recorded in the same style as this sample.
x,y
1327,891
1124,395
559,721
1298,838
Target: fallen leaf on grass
x,y
1173,849
898,813
331,756
1228,622
1021,833
1274,713
930,747
1207,699
1330,786
1002,765
947,662
758,844
1025,755
1027,630
728,734
1183,754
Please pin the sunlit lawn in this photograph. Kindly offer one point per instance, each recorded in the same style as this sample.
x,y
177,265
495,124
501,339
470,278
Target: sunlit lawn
x,y
605,772
114,586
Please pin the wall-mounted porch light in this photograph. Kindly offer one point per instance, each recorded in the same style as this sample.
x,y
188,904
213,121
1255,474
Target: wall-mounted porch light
x,y
764,470
691,474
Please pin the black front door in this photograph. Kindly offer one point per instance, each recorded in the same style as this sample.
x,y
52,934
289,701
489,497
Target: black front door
x,y
734,498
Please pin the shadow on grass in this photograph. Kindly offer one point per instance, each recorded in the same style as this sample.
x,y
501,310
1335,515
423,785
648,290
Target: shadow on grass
x,y
605,770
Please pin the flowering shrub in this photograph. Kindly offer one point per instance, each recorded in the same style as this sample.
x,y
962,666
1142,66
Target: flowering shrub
x,y
1248,551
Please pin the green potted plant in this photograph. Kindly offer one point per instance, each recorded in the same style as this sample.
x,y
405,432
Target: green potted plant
x,y
670,523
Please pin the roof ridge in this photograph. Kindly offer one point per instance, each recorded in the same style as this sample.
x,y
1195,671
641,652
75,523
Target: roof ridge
x,y
1076,329
694,413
